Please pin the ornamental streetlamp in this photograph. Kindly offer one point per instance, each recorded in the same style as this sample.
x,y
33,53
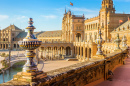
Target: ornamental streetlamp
x,y
99,43
117,42
124,40
30,72
30,43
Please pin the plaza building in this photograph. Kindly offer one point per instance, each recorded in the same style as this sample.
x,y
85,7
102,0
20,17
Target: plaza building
x,y
8,37
78,35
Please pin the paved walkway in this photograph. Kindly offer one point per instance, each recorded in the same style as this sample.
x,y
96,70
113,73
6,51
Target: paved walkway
x,y
121,76
52,65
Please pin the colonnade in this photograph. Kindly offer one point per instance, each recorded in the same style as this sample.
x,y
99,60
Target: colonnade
x,y
55,52
82,53
5,46
91,26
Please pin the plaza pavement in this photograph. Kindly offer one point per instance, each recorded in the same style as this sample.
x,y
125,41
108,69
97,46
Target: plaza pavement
x,y
56,64
48,65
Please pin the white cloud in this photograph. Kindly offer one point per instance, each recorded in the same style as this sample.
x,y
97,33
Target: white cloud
x,y
123,0
49,16
3,17
20,17
81,9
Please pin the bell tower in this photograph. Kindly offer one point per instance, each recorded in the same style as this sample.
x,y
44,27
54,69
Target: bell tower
x,y
108,5
107,9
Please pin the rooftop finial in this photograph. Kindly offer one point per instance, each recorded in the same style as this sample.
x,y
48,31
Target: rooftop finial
x,y
30,24
99,43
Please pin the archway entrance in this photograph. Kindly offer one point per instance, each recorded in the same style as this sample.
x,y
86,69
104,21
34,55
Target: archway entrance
x,y
78,37
68,51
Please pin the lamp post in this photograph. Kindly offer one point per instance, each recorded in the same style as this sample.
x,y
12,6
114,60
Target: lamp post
x,y
9,55
3,74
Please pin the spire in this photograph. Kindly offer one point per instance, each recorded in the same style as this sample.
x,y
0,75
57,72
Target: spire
x,y
65,10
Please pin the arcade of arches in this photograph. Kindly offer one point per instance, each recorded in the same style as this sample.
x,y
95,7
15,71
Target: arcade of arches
x,y
79,50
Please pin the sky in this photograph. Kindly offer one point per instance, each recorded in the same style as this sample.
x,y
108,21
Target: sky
x,y
47,14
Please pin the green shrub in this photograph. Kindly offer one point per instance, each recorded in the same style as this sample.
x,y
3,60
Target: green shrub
x,y
3,54
7,55
4,63
19,64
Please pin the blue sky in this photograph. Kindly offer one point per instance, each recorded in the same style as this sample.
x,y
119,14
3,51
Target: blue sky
x,y
47,14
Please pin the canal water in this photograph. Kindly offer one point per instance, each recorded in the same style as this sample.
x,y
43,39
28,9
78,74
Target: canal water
x,y
8,74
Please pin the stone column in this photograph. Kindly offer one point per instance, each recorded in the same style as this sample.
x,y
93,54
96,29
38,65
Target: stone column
x,y
58,54
88,54
51,53
2,46
71,52
65,52
16,46
45,52
55,51
77,52
5,46
81,37
80,52
40,53
61,51
84,53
